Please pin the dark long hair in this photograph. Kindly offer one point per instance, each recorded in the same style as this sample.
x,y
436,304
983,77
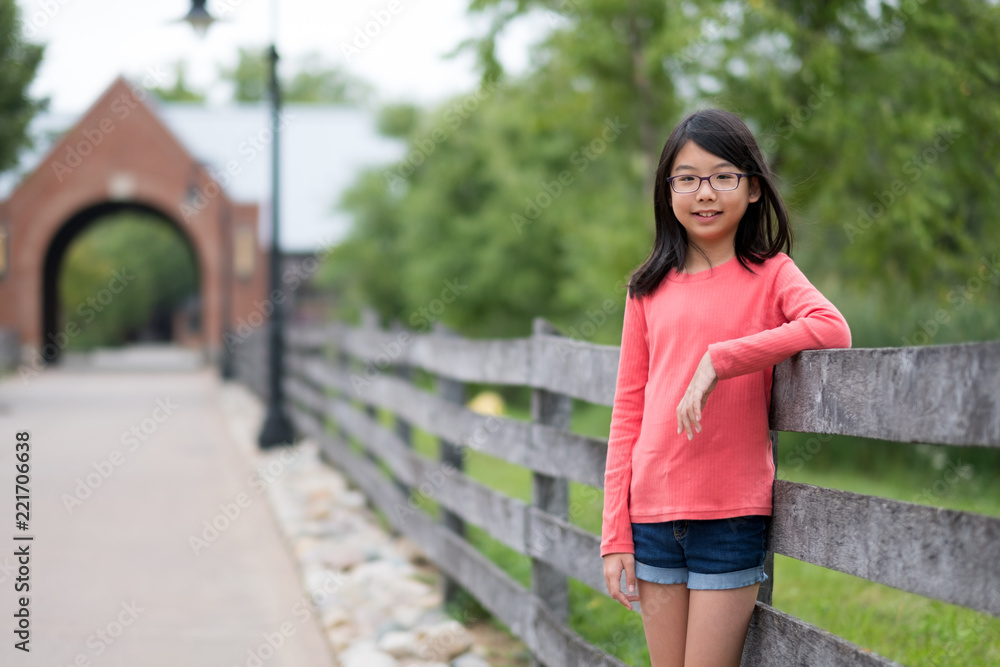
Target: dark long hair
x,y
763,231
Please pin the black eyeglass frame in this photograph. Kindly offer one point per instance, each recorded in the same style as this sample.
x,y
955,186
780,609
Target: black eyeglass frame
x,y
708,178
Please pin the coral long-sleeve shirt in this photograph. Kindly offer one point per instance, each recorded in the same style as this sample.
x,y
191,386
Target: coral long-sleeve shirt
x,y
748,322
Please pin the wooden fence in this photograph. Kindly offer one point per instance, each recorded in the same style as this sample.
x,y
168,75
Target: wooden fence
x,y
942,394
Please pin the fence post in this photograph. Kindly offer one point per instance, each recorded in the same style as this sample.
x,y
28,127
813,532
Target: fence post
x,y
549,494
370,323
348,365
342,364
403,431
452,391
764,592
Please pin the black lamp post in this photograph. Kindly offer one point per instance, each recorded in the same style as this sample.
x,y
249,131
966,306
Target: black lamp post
x,y
226,370
277,429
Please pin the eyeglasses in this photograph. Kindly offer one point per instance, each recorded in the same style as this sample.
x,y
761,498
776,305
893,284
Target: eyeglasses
x,y
687,183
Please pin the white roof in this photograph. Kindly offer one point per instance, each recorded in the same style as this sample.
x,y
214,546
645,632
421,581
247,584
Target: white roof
x,y
323,151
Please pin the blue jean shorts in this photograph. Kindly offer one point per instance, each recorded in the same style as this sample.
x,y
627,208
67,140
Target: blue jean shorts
x,y
707,554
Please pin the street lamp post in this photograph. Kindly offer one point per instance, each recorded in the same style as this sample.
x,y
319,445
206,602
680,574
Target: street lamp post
x,y
277,429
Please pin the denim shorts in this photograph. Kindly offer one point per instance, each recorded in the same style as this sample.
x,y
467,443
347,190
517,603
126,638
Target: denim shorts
x,y
707,554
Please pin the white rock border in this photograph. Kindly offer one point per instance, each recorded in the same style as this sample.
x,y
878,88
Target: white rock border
x,y
374,609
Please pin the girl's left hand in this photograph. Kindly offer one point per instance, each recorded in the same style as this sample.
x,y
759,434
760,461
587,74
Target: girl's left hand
x,y
693,402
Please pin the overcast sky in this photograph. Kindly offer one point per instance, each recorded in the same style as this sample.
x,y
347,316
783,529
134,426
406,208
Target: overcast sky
x,y
89,42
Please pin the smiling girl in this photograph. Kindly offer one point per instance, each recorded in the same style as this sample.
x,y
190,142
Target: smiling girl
x,y
715,306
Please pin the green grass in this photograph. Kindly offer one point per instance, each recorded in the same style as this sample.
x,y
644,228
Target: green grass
x,y
908,628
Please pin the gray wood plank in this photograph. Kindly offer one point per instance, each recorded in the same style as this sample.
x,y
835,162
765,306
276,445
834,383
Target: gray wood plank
x,y
575,368
499,515
572,550
938,553
777,639
878,392
540,447
942,394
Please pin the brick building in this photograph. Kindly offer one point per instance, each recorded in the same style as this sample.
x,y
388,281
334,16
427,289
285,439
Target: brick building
x,y
203,170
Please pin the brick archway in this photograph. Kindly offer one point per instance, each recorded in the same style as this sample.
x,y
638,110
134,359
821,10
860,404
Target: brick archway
x,y
121,156
54,332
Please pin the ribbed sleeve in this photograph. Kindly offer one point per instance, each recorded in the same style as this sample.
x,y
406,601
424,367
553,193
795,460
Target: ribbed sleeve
x,y
811,323
626,422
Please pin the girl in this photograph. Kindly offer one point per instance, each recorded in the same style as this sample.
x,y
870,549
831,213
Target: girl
x,y
688,482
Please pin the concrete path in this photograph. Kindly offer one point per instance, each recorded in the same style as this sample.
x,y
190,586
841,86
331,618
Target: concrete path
x,y
117,579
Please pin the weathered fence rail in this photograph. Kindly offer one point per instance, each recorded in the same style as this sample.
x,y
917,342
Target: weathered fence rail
x,y
944,395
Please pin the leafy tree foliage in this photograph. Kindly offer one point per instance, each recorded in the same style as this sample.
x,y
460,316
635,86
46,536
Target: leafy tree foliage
x,y
534,191
160,275
180,91
884,127
20,60
249,77
314,82
879,119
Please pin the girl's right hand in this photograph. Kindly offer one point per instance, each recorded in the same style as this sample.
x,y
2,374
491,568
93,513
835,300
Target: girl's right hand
x,y
693,402
613,566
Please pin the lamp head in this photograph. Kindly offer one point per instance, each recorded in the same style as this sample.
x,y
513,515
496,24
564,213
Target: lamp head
x,y
199,18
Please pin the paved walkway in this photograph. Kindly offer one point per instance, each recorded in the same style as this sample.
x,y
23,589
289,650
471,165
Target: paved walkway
x,y
115,578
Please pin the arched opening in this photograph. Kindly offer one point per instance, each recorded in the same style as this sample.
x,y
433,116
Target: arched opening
x,y
119,273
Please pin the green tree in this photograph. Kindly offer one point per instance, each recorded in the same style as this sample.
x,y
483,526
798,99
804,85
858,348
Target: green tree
x,y
180,91
883,125
314,82
879,120
20,63
159,266
398,120
535,191
249,77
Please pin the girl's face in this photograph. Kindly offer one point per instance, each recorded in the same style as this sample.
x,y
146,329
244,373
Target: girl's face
x,y
710,216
